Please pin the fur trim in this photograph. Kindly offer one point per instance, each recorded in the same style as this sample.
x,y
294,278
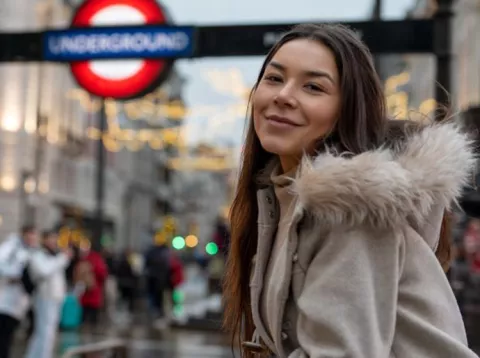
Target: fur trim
x,y
388,187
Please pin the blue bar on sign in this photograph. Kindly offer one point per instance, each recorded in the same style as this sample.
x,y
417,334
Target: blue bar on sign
x,y
82,44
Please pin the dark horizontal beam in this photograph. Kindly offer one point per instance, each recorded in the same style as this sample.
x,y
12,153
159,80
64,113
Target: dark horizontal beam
x,y
382,37
20,47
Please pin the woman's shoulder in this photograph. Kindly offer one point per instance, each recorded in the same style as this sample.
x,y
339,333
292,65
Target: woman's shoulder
x,y
393,185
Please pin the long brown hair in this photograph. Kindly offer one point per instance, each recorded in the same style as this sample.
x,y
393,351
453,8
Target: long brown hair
x,y
361,126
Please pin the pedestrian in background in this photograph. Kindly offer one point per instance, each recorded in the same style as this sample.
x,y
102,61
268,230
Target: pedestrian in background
x,y
127,281
47,267
15,253
92,272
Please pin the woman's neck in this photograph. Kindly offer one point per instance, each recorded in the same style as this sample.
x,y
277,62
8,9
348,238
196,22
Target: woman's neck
x,y
288,163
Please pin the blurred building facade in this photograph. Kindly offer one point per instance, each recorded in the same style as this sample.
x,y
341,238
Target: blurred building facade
x,y
44,136
196,192
414,75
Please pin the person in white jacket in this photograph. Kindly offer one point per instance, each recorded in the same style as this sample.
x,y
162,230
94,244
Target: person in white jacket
x,y
47,268
15,252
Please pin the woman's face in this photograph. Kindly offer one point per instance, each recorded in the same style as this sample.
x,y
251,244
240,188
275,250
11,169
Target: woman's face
x,y
297,101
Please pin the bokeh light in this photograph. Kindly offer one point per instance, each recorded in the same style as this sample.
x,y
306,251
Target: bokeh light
x,y
211,248
191,241
178,297
178,243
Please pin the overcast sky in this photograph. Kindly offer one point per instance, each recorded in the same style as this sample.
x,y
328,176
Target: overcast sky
x,y
210,80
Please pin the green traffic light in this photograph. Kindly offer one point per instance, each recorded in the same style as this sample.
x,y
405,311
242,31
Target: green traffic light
x,y
211,248
178,297
178,243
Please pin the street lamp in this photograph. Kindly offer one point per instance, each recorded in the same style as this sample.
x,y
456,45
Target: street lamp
x,y
30,180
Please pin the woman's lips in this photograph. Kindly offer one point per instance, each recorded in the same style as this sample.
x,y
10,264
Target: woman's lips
x,y
281,122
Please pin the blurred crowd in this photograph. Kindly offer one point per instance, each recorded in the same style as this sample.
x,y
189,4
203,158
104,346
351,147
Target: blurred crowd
x,y
465,271
44,288
464,274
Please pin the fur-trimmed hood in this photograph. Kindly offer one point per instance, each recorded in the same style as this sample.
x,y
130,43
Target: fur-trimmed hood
x,y
388,186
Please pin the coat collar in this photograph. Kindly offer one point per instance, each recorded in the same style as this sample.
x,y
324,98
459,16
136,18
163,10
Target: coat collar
x,y
267,223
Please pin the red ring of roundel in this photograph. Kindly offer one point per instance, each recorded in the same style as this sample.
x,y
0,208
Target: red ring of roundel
x,y
125,88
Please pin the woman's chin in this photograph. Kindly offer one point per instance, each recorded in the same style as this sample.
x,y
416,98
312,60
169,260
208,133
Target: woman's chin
x,y
276,147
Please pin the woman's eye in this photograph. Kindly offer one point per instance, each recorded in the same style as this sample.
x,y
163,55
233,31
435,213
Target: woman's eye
x,y
314,87
273,78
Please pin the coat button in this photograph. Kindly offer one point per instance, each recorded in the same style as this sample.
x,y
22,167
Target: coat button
x,y
272,214
269,199
295,257
284,336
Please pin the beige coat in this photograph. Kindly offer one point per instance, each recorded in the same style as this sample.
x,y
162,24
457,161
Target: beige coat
x,y
362,279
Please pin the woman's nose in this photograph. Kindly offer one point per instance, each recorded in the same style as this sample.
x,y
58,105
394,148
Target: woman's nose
x,y
286,97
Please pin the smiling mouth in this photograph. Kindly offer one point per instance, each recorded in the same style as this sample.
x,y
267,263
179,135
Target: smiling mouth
x,y
283,121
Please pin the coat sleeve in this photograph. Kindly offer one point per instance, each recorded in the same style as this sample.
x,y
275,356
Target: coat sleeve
x,y
42,266
9,269
348,304
100,269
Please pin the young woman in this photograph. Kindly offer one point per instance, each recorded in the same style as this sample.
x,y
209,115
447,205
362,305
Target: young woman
x,y
339,213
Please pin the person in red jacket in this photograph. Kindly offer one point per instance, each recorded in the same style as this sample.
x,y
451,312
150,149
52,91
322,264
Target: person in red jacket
x,y
92,272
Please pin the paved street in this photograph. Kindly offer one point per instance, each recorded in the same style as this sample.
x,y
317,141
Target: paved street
x,y
145,343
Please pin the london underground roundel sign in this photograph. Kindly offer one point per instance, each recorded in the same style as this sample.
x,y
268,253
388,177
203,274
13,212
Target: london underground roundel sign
x,y
120,79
